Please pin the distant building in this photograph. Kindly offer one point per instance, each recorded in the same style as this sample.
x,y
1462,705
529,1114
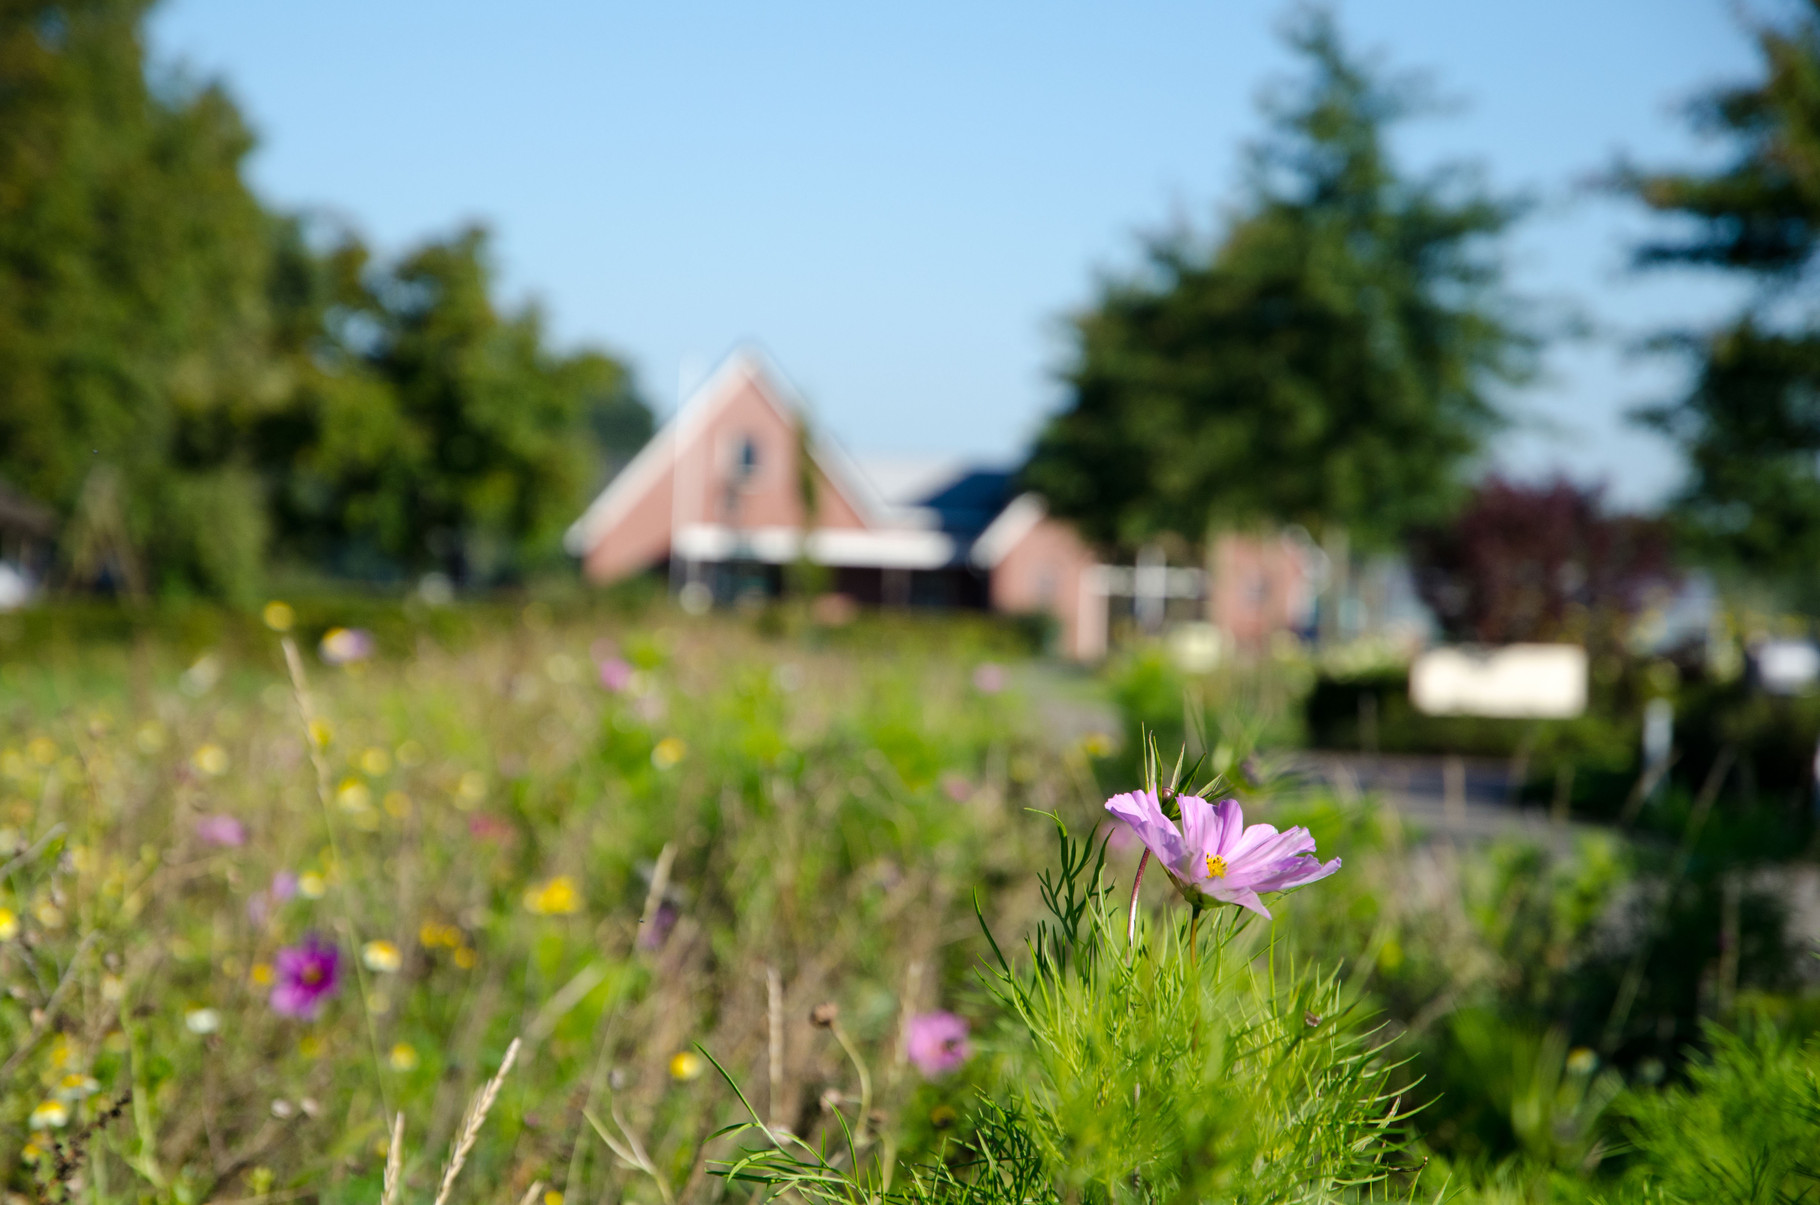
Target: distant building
x,y
731,491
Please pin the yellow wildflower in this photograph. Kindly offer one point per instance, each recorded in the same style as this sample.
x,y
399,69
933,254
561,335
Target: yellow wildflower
x,y
353,796
278,616
472,788
311,885
75,1087
50,1114
466,957
668,752
375,761
381,956
210,759
686,1065
9,924
397,804
558,897
403,1057
262,974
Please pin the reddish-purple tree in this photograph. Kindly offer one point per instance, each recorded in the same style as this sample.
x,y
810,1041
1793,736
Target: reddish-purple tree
x,y
1540,562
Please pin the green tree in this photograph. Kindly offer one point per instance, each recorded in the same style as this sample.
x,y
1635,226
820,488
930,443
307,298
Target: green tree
x,y
132,317
1750,425
1329,362
429,429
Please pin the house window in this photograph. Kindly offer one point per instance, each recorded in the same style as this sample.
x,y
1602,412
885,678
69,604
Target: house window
x,y
744,461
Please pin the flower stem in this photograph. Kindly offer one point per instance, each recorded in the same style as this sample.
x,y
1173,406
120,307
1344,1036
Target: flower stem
x,y
1137,882
1194,975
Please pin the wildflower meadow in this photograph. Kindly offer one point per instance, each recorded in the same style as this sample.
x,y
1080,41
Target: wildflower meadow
x,y
633,906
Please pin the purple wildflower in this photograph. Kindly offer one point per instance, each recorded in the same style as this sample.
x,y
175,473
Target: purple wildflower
x,y
221,830
936,1043
1214,858
284,887
342,646
616,674
307,974
653,935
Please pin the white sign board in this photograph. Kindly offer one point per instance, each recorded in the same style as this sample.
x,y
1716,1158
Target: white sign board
x,y
1515,681
1786,667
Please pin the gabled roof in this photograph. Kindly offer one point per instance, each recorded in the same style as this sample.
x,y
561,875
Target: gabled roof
x,y
647,468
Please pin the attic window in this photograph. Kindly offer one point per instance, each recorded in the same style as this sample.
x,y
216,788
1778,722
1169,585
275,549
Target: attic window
x,y
745,460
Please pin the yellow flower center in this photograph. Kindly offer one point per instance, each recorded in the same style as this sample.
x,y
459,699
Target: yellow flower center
x,y
1216,866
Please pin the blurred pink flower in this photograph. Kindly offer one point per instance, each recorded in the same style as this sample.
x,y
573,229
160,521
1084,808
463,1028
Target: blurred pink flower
x,y
490,828
936,1043
1214,858
259,905
989,678
957,787
221,830
616,674
308,974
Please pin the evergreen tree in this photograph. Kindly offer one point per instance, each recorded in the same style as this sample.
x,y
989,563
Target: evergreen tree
x,y
1750,425
1328,363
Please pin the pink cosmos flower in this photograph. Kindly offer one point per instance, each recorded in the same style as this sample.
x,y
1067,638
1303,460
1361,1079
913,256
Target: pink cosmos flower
x,y
307,975
1214,858
936,1043
222,830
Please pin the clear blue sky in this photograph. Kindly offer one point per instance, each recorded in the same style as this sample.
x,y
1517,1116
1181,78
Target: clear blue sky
x,y
901,202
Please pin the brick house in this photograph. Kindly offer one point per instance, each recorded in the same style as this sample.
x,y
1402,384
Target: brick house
x,y
731,491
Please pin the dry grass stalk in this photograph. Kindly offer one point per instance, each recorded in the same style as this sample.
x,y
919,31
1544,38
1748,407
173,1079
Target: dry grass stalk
x,y
394,1163
532,1193
471,1123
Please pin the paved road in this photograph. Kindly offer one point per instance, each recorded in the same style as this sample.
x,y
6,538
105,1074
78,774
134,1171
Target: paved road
x,y
1464,798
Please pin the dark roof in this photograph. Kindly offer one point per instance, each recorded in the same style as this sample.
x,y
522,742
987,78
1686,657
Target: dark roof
x,y
970,501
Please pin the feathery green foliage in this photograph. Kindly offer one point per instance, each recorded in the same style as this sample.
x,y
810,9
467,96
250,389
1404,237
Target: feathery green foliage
x,y
1192,1066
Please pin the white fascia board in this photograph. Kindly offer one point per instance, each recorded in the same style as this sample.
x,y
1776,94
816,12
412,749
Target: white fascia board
x,y
660,452
1008,530
838,547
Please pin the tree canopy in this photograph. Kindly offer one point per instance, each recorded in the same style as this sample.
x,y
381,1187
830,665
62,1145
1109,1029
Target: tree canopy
x,y
1329,362
222,388
1749,426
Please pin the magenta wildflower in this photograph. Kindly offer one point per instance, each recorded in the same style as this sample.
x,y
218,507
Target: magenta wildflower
x,y
221,830
308,974
1214,858
936,1043
616,674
